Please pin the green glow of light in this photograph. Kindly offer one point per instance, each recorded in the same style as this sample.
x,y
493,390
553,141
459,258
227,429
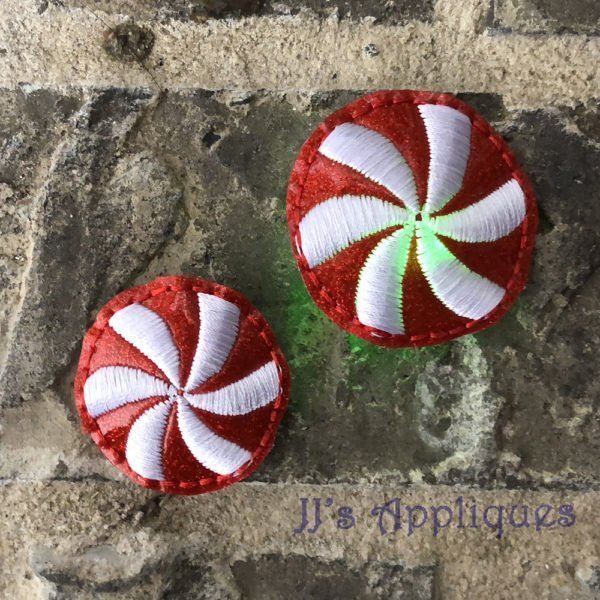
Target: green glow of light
x,y
403,243
365,360
432,250
405,236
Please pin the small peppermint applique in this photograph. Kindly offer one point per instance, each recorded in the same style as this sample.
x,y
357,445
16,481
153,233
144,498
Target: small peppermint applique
x,y
411,221
182,385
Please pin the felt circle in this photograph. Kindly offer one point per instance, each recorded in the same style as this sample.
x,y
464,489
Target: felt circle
x,y
182,385
410,219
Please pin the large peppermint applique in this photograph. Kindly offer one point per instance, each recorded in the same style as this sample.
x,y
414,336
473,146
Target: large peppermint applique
x,y
182,385
410,220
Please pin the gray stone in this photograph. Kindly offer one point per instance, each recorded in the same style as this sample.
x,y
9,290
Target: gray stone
x,y
191,576
593,582
396,12
100,213
97,572
105,572
400,11
31,124
547,16
128,41
455,409
546,351
302,578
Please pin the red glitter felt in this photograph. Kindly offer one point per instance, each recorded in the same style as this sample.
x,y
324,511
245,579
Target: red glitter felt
x,y
315,178
175,300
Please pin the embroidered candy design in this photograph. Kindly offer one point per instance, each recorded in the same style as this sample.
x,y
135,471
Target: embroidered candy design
x,y
410,220
182,385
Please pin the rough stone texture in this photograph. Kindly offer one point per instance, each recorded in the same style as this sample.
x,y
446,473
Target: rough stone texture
x,y
399,11
122,159
299,52
97,210
544,16
109,541
129,42
547,374
271,577
188,193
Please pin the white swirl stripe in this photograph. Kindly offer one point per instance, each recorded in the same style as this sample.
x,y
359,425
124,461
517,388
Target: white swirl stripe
x,y
373,155
335,224
464,292
148,332
144,446
111,387
449,135
219,322
245,395
487,220
379,290
209,449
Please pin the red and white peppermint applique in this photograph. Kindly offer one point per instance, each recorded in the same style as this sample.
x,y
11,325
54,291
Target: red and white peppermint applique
x,y
182,385
410,219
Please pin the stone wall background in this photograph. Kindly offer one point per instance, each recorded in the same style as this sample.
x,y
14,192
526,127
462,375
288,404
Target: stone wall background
x,y
143,138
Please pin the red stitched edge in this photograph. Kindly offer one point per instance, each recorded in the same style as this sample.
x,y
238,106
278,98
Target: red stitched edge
x,y
247,310
318,290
